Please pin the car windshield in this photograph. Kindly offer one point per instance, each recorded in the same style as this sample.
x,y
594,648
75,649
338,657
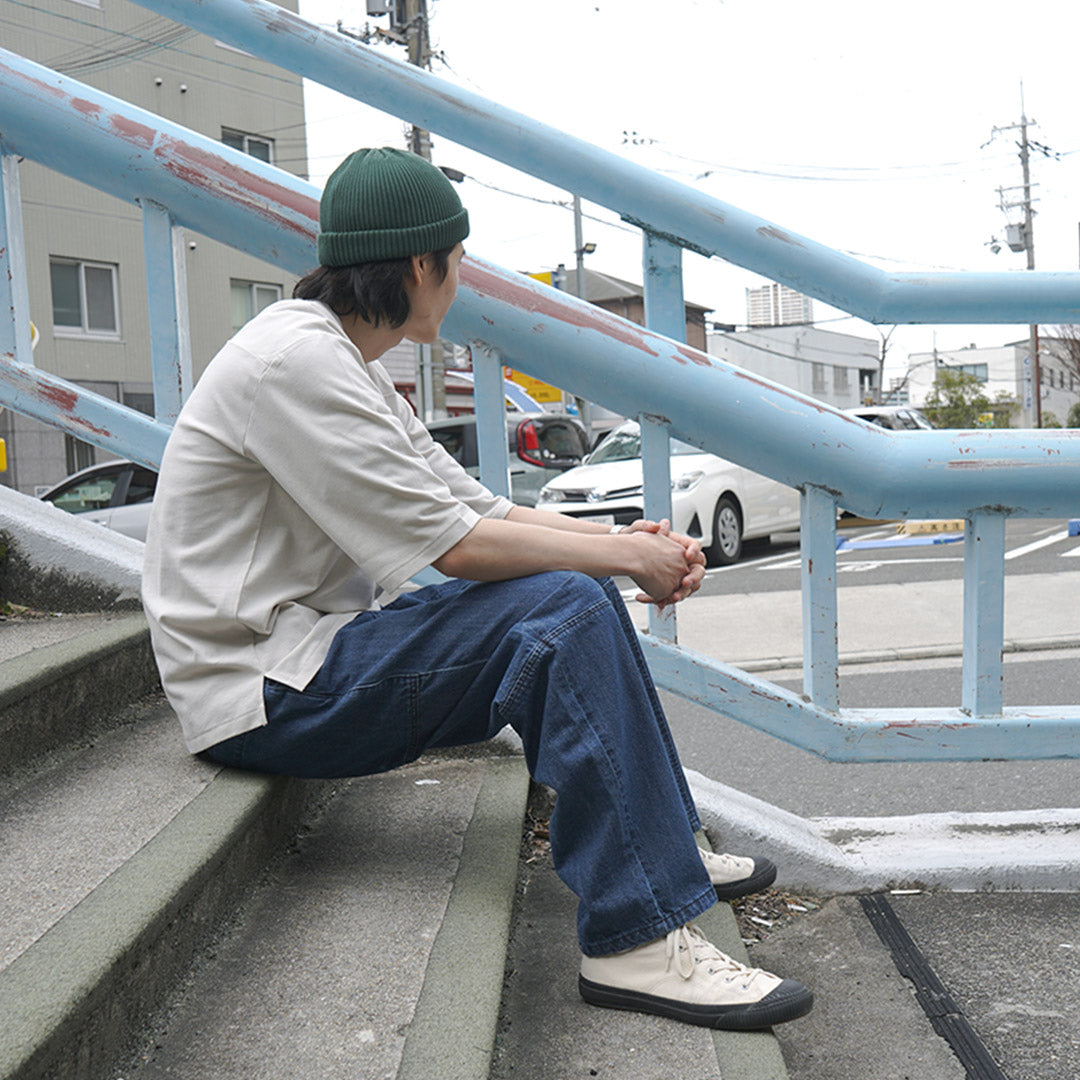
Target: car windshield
x,y
624,444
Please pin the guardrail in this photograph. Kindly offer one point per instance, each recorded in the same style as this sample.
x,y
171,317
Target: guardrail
x,y
182,180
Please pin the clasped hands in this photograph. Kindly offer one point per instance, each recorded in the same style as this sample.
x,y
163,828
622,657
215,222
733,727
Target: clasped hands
x,y
677,569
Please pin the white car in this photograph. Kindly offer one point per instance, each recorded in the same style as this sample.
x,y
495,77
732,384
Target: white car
x,y
116,494
713,500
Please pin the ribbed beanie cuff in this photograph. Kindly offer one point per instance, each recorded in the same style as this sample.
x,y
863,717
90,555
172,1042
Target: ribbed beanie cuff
x,y
387,204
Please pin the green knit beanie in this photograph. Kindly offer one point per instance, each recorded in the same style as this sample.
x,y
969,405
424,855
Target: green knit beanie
x,y
387,204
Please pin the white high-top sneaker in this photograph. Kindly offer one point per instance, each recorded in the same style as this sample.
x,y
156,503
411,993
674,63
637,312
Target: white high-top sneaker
x,y
737,875
685,977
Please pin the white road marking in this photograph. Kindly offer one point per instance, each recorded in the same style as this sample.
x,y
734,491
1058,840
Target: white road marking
x,y
1046,541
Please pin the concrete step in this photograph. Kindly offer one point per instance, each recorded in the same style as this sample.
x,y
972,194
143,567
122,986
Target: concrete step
x,y
64,679
374,949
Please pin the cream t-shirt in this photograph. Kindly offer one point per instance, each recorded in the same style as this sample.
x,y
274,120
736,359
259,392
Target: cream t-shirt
x,y
296,487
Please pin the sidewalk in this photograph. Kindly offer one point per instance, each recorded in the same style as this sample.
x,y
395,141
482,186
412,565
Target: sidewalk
x,y
763,630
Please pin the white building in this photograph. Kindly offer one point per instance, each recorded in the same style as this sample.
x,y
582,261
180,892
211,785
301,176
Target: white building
x,y
1005,369
777,305
840,369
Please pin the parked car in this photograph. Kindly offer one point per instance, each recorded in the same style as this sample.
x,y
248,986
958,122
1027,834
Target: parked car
x,y
542,446
117,494
714,500
895,417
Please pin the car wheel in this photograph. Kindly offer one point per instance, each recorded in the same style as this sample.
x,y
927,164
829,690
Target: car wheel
x,y
727,534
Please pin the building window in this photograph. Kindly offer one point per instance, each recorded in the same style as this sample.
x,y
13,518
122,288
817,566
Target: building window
x,y
840,379
256,145
980,371
818,375
84,298
79,454
248,298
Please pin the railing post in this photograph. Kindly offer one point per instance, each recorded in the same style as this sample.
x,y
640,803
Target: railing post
x,y
489,397
166,292
821,656
665,312
14,294
984,614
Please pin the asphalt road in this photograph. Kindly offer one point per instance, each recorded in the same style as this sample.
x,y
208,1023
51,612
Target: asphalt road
x,y
806,785
1032,546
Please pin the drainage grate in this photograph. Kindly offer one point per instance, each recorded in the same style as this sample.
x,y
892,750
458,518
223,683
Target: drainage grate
x,y
936,1001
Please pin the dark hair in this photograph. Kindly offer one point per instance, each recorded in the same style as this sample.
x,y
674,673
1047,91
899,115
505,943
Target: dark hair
x,y
373,290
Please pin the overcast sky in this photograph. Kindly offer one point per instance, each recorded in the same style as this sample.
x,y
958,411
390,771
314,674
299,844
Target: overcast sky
x,y
864,126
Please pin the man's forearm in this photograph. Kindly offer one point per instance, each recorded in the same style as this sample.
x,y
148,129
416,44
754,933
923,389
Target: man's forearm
x,y
529,515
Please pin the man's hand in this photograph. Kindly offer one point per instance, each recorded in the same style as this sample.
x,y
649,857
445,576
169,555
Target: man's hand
x,y
693,568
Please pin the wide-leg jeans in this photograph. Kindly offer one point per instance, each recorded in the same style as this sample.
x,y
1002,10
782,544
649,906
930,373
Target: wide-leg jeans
x,y
554,655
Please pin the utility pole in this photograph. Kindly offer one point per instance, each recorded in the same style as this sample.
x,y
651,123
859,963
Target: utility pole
x,y
432,362
409,26
1026,240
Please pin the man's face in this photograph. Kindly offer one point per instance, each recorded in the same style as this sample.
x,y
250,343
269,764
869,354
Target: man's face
x,y
429,297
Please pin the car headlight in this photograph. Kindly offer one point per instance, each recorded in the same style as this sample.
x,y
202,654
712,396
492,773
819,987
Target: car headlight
x,y
549,495
688,481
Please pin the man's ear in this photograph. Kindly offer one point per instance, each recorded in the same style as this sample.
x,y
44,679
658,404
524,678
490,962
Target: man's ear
x,y
416,269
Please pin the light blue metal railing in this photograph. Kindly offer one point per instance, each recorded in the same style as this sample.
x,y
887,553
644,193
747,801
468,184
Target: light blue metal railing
x,y
182,180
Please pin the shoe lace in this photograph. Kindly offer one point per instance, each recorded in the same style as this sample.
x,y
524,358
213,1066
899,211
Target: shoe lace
x,y
688,948
728,862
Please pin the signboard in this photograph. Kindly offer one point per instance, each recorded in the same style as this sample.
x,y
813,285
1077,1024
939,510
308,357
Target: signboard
x,y
540,391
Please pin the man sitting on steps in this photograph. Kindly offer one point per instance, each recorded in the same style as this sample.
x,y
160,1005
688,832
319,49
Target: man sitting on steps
x,y
299,494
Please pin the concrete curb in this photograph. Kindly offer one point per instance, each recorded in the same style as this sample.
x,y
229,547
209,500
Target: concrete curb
x,y
59,692
73,1002
919,652
1028,850
453,1028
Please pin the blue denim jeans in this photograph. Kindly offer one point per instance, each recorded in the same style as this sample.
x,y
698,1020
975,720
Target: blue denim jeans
x,y
555,656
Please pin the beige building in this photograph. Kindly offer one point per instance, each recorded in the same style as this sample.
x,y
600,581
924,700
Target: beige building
x,y
84,249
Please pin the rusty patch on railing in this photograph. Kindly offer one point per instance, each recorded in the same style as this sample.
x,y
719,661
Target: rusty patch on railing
x,y
132,131
67,401
87,108
213,173
532,298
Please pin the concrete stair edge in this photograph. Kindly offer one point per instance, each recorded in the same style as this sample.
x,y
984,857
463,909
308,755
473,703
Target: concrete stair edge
x,y
74,1000
452,1034
84,679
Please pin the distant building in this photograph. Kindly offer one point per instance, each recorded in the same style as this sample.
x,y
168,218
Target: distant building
x,y
840,369
628,300
84,249
1005,369
778,305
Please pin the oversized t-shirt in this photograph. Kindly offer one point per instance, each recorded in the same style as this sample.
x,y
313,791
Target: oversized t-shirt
x,y
296,487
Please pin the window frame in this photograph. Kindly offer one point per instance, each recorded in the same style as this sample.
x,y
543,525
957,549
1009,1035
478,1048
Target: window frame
x,y
84,330
246,137
252,287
